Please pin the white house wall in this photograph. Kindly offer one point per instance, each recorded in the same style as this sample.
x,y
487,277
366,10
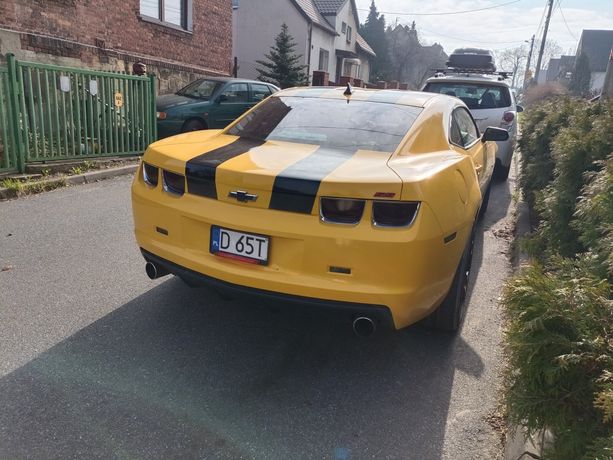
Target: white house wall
x,y
345,14
255,27
321,39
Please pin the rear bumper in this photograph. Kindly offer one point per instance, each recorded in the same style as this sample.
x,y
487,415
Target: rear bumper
x,y
194,279
408,271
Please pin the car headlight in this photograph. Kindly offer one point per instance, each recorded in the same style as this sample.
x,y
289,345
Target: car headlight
x,y
161,115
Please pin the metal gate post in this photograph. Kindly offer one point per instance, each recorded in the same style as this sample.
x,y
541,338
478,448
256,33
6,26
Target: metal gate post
x,y
13,89
154,118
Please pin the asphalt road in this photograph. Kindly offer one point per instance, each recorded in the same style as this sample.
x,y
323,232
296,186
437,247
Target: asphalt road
x,y
97,361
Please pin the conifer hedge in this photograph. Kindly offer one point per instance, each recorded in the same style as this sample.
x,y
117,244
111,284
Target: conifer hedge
x,y
560,308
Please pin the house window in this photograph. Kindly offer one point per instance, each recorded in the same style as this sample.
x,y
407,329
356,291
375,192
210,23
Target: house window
x,y
347,69
324,57
175,12
344,27
348,34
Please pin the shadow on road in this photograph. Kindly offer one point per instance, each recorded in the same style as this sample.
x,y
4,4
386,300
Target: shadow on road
x,y
178,373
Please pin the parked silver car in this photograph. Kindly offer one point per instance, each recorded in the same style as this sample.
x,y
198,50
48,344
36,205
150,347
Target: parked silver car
x,y
491,102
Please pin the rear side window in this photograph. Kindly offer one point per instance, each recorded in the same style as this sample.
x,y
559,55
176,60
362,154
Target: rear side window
x,y
236,92
464,132
474,95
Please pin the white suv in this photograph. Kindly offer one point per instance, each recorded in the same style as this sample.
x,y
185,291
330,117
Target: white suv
x,y
491,102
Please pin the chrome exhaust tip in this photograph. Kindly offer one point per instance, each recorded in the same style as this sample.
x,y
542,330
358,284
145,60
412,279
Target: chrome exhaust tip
x,y
153,271
363,326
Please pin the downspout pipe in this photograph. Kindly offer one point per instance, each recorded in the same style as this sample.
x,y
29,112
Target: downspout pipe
x,y
309,52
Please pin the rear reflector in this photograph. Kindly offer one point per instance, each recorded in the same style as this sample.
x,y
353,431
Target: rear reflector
x,y
508,117
341,210
394,213
174,183
150,174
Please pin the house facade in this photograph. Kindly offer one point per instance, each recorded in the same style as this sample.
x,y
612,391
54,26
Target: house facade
x,y
178,40
597,46
325,32
559,69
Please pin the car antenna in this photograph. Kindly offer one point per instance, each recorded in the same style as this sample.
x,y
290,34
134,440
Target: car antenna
x,y
348,92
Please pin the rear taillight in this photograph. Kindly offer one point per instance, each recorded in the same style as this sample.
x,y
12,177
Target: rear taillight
x,y
394,213
508,117
341,210
174,183
150,174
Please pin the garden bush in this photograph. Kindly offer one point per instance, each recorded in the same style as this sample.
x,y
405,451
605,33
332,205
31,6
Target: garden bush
x,y
560,312
578,150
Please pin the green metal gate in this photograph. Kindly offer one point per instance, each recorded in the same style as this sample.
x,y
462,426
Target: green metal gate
x,y
60,113
8,147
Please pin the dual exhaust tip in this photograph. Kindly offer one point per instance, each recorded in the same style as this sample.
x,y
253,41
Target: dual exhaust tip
x,y
363,326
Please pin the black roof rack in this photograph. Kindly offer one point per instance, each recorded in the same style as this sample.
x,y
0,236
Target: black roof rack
x,y
467,71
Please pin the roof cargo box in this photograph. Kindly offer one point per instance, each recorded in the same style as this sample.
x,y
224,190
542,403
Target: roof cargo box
x,y
472,58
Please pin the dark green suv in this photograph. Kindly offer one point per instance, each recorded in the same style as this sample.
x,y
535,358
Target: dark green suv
x,y
208,103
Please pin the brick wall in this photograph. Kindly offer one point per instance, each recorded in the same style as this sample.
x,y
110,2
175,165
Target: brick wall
x,y
111,35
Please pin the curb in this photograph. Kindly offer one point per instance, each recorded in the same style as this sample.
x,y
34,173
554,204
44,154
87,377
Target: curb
x,y
94,176
85,178
518,444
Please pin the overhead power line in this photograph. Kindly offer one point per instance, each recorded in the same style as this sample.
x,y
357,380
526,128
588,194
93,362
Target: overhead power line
x,y
481,42
566,23
446,12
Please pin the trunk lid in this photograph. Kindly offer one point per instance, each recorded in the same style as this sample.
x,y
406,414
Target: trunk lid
x,y
288,176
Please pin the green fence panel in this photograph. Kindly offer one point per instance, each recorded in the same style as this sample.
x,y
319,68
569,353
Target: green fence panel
x,y
50,112
8,147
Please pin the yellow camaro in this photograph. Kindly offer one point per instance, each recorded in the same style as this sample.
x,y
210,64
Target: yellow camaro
x,y
364,200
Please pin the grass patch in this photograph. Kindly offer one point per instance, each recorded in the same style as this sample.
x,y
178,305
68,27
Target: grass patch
x,y
18,188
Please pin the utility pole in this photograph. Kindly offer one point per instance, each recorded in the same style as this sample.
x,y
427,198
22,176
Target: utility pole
x,y
528,63
542,50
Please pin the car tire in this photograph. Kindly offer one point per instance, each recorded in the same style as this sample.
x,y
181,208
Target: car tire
x,y
193,125
501,172
449,315
485,202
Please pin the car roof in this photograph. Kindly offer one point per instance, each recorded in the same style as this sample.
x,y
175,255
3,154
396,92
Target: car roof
x,y
387,96
469,78
237,80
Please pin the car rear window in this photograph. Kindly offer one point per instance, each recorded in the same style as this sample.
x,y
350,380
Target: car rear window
x,y
330,123
474,95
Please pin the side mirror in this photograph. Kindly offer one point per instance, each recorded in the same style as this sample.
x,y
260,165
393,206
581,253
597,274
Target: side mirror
x,y
519,109
222,98
495,134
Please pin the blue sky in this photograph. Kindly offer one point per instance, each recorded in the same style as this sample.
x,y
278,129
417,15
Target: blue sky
x,y
499,28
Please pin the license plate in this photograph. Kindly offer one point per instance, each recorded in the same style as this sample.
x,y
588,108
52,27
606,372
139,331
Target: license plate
x,y
246,247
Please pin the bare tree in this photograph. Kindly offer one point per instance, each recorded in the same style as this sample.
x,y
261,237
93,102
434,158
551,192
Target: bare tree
x,y
411,61
552,49
513,60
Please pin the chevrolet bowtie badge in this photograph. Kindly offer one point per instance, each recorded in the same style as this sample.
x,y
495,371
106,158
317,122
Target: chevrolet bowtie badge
x,y
242,196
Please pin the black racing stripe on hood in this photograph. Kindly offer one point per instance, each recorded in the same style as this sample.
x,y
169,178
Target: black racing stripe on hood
x,y
200,171
295,188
